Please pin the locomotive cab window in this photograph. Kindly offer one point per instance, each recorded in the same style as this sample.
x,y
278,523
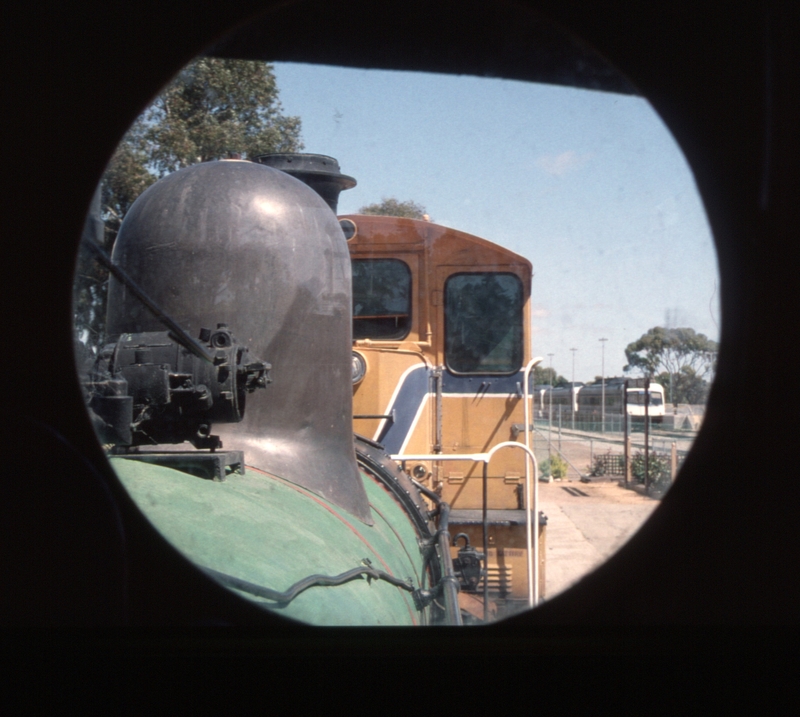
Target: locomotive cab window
x,y
483,323
381,299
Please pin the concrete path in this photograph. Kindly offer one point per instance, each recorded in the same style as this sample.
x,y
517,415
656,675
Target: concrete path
x,y
587,523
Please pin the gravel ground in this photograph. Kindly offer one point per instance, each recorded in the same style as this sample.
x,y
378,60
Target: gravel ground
x,y
587,523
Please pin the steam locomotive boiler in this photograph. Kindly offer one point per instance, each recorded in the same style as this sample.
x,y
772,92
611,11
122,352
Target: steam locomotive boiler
x,y
224,400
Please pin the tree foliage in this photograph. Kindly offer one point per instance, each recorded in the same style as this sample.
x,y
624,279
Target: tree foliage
x,y
657,467
391,207
554,466
213,109
685,386
125,178
542,376
672,351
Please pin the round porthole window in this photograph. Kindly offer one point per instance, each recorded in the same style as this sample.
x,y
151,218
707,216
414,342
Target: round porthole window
x,y
585,243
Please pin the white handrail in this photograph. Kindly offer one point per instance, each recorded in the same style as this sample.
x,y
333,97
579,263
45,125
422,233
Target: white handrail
x,y
533,537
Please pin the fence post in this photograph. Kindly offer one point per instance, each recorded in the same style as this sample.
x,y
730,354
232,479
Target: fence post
x,y
542,528
559,429
627,460
647,435
627,433
674,460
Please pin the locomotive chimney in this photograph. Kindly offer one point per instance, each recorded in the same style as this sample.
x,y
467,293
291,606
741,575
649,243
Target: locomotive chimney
x,y
318,171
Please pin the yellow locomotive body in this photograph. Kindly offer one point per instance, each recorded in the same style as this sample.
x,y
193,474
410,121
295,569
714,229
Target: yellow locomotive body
x,y
441,329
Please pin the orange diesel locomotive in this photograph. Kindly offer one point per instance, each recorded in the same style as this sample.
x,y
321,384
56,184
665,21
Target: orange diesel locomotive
x,y
441,339
441,351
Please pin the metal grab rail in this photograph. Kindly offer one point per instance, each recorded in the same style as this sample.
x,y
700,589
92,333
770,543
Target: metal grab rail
x,y
533,567
532,537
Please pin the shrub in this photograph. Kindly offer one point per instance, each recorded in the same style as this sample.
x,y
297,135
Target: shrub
x,y
598,468
558,466
601,464
659,467
544,468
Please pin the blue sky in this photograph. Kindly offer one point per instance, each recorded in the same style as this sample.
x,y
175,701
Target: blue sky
x,y
589,186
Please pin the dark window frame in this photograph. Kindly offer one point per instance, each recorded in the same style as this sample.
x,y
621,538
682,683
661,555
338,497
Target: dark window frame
x,y
520,325
408,317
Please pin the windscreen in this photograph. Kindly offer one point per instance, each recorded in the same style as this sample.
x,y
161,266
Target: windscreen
x,y
483,323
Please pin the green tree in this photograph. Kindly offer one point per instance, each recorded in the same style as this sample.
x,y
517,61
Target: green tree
x,y
391,207
682,354
214,108
542,377
686,386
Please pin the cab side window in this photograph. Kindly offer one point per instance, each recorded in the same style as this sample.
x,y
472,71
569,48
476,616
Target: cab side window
x,y
483,323
381,299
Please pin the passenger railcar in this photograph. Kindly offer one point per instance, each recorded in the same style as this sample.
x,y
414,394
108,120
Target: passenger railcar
x,y
560,401
653,397
585,402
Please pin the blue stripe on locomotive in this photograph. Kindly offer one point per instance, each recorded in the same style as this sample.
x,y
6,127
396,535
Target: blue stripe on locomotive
x,y
416,386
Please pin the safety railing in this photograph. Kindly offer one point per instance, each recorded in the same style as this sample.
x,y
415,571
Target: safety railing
x,y
531,505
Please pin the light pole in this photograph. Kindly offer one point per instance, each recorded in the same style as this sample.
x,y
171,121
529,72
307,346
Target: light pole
x,y
603,391
572,393
550,411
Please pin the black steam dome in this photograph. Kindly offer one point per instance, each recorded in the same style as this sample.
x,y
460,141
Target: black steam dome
x,y
318,171
241,244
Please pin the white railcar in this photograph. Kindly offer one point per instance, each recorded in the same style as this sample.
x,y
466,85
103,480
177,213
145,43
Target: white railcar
x,y
586,401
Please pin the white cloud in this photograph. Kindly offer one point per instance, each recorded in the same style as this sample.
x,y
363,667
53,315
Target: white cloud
x,y
559,164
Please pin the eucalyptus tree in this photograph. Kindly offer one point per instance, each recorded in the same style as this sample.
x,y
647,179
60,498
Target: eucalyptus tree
x,y
389,206
681,355
214,109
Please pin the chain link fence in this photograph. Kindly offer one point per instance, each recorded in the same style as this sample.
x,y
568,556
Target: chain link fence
x,y
566,454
